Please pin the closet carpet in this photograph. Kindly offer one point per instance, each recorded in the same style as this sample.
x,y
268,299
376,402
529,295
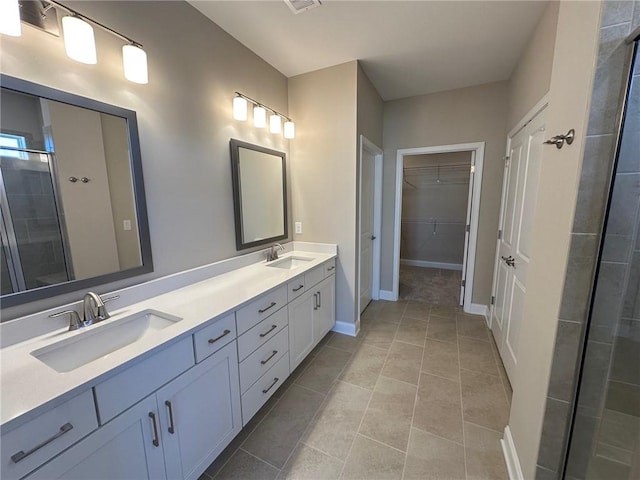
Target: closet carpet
x,y
419,394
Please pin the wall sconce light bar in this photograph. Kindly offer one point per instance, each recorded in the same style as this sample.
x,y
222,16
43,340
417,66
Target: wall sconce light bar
x,y
275,119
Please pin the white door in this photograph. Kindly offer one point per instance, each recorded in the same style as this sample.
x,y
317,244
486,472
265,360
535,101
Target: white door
x,y
513,257
367,237
467,229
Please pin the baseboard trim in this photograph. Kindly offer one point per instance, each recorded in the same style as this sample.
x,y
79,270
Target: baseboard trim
x,y
511,456
426,264
477,309
387,295
346,328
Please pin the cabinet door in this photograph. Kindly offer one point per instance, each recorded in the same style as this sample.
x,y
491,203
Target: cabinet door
x,y
324,316
122,449
301,338
200,413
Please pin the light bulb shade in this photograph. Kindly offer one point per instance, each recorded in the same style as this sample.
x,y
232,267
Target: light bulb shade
x,y
259,117
10,18
79,41
275,123
134,61
240,108
289,130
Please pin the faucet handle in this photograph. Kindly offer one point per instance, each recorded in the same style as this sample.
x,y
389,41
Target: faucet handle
x,y
74,319
108,299
103,314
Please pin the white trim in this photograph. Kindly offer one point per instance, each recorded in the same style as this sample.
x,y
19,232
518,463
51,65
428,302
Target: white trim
x,y
478,155
427,264
366,144
388,295
511,456
346,328
477,309
531,114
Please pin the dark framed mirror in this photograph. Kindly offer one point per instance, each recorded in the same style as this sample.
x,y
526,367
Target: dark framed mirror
x,y
73,212
259,194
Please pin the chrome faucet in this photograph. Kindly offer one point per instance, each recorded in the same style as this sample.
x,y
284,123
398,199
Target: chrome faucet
x,y
272,253
93,308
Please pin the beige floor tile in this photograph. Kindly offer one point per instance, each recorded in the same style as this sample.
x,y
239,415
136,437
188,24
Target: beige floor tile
x,y
441,359
433,458
324,370
379,334
442,328
275,438
395,307
403,362
243,466
412,330
418,310
485,460
476,355
364,367
388,417
345,342
389,316
307,463
473,326
336,423
438,407
483,400
371,460
444,311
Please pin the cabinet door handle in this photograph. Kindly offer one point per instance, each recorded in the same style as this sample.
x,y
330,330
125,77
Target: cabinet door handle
x,y
334,267
297,289
315,301
273,304
319,300
224,334
275,380
21,455
156,438
273,327
264,362
171,428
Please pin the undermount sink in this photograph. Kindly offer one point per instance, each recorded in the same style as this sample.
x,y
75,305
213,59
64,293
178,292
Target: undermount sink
x,y
289,263
98,341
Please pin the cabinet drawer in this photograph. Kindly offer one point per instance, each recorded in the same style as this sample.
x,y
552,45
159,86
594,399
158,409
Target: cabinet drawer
x,y
257,364
329,267
295,287
262,390
261,333
119,392
312,277
30,445
213,337
259,309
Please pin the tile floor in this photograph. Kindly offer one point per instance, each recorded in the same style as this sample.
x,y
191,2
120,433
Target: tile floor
x,y
431,285
419,394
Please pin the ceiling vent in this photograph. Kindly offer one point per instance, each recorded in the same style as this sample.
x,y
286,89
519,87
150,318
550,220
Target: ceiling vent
x,y
299,6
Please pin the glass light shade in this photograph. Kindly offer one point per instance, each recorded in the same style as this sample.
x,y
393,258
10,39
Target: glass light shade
x,y
240,108
289,130
134,61
10,18
275,123
79,42
259,117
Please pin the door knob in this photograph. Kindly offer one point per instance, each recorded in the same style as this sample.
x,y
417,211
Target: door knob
x,y
373,237
510,261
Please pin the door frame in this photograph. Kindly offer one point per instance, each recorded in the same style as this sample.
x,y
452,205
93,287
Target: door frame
x,y
477,149
368,145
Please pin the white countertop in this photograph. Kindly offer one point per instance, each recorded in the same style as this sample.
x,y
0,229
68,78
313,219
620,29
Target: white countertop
x,y
30,387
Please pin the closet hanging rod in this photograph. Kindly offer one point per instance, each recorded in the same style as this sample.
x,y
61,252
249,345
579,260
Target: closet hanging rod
x,y
435,167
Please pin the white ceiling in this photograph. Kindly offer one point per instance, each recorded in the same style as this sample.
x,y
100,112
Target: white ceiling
x,y
406,48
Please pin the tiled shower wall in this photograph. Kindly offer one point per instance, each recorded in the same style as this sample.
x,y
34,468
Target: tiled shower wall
x,y
618,19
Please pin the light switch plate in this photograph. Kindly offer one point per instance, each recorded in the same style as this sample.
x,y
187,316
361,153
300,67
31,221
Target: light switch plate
x,y
299,228
126,224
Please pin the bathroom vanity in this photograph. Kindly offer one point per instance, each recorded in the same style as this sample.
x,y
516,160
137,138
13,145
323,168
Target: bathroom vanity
x,y
162,387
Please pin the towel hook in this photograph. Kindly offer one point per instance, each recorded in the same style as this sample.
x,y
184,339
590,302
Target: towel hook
x,y
559,140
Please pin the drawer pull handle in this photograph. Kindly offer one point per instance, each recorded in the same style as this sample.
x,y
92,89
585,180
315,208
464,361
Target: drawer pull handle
x,y
224,334
156,438
315,301
171,428
298,288
264,362
21,455
331,268
273,327
319,300
275,380
273,304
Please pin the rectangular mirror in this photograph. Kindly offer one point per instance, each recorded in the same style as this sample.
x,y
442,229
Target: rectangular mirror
x,y
259,194
72,205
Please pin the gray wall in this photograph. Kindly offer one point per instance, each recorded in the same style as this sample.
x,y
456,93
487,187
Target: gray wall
x,y
474,114
184,117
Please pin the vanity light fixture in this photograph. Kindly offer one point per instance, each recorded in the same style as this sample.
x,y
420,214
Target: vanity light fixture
x,y
240,107
10,18
134,62
79,42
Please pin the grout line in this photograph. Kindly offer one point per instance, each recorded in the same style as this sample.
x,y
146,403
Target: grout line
x,y
261,459
439,436
302,442
464,440
414,385
486,428
383,444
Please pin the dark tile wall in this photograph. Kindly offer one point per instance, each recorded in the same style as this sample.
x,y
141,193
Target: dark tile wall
x,y
618,19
